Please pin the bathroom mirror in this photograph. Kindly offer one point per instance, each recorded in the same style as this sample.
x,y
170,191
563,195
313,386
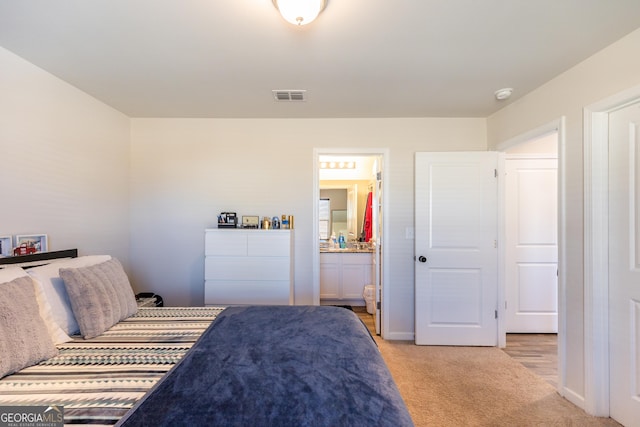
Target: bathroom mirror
x,y
339,223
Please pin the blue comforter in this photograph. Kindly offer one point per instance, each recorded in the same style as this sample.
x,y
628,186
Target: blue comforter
x,y
277,366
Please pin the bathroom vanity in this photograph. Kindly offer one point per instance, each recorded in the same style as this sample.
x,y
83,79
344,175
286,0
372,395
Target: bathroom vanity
x,y
344,274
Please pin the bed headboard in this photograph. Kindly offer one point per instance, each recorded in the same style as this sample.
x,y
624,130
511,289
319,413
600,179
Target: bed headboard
x,y
39,258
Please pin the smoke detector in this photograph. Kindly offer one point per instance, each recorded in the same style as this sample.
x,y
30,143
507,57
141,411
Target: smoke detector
x,y
502,94
289,95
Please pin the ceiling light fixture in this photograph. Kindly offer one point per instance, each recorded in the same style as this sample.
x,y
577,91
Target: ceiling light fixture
x,y
300,12
502,94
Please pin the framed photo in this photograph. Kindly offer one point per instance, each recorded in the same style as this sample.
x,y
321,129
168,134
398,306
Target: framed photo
x,y
5,246
30,244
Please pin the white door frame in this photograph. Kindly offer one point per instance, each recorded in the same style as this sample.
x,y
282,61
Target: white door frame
x,y
559,127
384,154
596,252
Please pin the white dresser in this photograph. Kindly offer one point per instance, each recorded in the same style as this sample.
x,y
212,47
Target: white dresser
x,y
247,266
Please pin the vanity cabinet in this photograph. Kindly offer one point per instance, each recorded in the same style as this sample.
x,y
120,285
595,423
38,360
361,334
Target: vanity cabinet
x,y
248,266
343,276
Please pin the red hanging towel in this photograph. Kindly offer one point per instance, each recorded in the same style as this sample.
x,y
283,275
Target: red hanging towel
x,y
368,219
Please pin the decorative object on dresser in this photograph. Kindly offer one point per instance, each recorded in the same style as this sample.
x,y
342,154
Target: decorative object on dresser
x,y
227,220
250,221
248,267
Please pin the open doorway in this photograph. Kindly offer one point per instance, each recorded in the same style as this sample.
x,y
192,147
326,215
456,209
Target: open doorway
x,y
531,236
348,205
531,251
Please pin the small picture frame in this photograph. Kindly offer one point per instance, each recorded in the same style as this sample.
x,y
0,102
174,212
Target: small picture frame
x,y
30,244
5,246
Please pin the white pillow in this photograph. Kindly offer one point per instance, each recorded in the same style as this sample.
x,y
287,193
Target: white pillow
x,y
57,335
7,274
48,277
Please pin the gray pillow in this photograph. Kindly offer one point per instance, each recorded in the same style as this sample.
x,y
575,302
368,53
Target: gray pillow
x,y
24,337
100,296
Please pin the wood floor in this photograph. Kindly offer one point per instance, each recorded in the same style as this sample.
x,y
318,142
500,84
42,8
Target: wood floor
x,y
537,352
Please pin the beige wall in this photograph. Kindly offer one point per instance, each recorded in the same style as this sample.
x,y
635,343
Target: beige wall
x,y
143,190
186,171
64,163
610,71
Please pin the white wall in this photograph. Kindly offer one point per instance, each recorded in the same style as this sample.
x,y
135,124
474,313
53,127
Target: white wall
x,y
186,171
64,163
608,72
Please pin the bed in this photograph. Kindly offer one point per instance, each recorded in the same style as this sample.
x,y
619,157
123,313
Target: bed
x,y
250,365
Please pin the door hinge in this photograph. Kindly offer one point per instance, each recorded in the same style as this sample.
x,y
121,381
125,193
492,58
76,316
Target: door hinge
x,y
495,173
496,314
378,305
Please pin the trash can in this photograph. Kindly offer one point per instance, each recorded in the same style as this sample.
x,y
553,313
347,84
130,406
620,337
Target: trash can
x,y
369,298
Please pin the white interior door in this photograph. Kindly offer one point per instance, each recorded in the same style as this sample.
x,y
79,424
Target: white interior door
x,y
456,248
624,264
531,242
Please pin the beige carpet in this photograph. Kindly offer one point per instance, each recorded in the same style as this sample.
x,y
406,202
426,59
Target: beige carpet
x,y
476,386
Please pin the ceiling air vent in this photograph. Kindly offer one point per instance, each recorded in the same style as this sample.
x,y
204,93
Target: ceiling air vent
x,y
289,95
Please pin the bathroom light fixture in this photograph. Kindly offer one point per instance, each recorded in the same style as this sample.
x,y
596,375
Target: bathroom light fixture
x,y
300,12
337,165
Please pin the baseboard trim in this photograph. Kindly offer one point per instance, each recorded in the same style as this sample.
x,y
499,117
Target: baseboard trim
x,y
399,336
573,397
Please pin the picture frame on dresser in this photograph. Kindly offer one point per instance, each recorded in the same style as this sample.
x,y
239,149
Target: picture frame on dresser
x,y
5,246
30,244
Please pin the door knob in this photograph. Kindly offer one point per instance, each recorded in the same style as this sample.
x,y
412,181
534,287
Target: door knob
x,y
422,258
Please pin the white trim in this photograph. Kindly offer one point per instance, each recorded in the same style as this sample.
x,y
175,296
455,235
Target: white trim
x,y
596,264
400,336
384,153
573,397
596,244
562,256
530,156
502,287
315,268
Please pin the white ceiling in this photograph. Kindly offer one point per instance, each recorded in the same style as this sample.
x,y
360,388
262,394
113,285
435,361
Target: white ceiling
x,y
360,58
